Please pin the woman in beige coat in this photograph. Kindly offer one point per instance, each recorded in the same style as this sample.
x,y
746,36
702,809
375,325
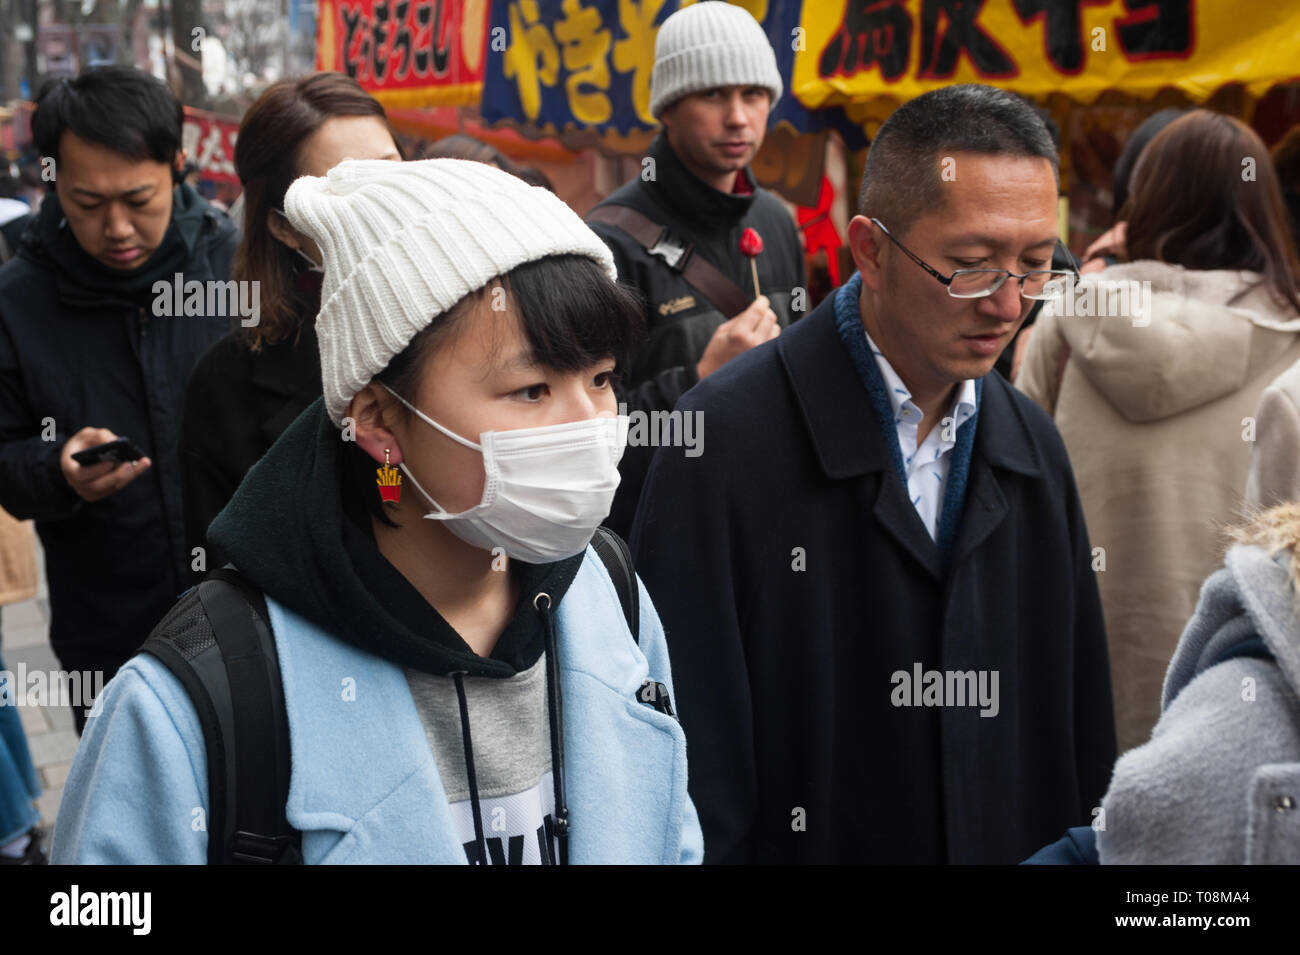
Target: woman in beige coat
x,y
1275,456
1152,370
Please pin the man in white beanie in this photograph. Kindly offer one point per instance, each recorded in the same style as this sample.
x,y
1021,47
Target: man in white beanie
x,y
676,229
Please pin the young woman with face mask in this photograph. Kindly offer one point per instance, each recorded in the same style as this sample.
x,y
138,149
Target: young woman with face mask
x,y
249,386
460,680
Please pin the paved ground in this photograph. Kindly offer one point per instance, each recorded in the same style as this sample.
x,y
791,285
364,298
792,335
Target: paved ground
x,y
26,638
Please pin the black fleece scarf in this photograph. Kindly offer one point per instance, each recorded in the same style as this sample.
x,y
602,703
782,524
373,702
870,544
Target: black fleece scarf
x,y
83,278
692,199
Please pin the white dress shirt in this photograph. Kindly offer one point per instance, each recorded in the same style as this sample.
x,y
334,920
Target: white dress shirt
x,y
926,466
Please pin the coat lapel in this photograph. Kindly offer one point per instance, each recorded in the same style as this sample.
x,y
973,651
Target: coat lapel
x,y
1003,441
844,427
625,762
895,512
363,784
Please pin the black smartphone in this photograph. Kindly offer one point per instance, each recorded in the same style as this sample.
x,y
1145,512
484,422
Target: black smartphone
x,y
116,451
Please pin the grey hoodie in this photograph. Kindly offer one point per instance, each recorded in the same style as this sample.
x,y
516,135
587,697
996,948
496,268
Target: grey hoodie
x,y
1219,781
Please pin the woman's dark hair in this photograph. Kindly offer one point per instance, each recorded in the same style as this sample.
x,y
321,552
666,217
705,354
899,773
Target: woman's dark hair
x,y
571,314
119,107
1205,195
460,146
268,158
1128,156
1286,159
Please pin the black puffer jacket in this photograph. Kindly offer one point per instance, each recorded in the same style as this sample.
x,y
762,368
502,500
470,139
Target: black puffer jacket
x,y
80,346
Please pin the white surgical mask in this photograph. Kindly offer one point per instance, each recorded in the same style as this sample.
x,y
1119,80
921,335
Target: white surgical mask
x,y
546,489
311,266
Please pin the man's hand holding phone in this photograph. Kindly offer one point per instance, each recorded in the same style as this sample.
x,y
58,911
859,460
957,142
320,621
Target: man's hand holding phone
x,y
96,481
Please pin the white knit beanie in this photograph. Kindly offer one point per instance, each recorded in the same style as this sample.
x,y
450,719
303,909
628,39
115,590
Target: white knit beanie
x,y
710,44
403,242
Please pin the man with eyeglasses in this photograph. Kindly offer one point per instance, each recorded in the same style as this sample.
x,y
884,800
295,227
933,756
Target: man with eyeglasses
x,y
877,584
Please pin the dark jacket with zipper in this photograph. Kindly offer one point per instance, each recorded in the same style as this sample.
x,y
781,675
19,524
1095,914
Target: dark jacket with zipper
x,y
237,404
796,580
81,345
680,321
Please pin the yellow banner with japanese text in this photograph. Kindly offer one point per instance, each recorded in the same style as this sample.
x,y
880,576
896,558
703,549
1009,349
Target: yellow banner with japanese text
x,y
871,55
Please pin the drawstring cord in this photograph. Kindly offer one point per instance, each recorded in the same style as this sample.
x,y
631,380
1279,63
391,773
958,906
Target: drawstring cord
x,y
555,712
555,715
459,677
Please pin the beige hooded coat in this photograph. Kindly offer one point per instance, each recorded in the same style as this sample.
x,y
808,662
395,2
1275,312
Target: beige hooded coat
x,y
1155,406
1275,459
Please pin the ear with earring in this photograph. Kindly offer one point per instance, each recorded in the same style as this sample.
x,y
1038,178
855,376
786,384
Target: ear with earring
x,y
389,481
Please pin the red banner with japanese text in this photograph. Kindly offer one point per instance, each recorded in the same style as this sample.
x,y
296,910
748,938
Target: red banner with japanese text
x,y
209,142
407,53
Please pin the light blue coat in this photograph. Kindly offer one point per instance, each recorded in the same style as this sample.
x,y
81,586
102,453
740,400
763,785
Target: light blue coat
x,y
364,787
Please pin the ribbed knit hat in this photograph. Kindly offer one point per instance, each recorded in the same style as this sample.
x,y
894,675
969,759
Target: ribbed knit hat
x,y
403,242
710,44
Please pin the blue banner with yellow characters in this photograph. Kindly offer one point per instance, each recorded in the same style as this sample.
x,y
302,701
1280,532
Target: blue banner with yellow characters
x,y
559,67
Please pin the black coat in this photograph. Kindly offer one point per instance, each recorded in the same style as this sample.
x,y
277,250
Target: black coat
x,y
679,320
784,675
81,345
238,403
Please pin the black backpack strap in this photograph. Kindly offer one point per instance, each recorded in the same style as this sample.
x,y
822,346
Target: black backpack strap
x,y
237,692
260,834
203,675
617,558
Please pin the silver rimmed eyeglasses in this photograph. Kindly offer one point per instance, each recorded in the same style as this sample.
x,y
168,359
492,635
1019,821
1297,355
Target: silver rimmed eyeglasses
x,y
1038,284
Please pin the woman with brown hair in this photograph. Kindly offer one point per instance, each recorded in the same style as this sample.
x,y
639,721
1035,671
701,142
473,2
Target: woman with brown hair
x,y
253,383
1152,369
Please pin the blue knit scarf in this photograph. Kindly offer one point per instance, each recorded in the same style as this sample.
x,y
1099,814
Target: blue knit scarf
x,y
848,322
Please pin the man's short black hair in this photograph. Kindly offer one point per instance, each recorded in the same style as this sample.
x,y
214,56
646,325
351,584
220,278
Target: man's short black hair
x,y
119,107
901,181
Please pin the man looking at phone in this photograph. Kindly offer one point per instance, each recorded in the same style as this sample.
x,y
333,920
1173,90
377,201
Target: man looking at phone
x,y
85,359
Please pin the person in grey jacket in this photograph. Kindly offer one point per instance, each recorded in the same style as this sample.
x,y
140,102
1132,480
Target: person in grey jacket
x,y
1219,780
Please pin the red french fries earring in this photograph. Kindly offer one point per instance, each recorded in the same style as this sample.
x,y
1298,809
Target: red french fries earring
x,y
389,481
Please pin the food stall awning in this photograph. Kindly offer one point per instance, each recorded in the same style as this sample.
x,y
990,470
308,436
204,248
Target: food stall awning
x,y
869,56
580,69
407,54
